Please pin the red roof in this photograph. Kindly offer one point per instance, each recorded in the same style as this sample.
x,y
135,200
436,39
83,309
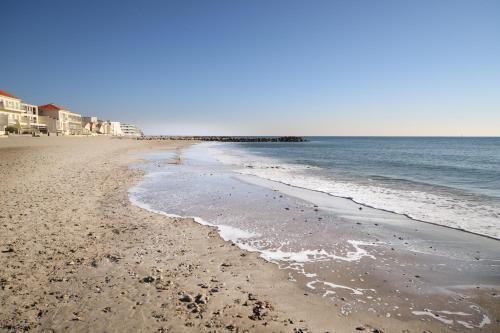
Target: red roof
x,y
50,106
6,94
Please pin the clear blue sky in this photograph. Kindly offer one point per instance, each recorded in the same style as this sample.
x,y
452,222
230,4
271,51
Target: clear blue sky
x,y
261,67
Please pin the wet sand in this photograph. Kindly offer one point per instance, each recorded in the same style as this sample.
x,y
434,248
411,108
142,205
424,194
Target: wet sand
x,y
77,256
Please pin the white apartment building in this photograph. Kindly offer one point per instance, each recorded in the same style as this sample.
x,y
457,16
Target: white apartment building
x,y
116,129
130,130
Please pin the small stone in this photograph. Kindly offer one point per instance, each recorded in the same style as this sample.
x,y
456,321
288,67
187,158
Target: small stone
x,y
201,299
148,279
376,330
186,298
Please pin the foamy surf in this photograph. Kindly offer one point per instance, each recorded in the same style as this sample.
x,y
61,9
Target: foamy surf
x,y
240,237
442,209
467,320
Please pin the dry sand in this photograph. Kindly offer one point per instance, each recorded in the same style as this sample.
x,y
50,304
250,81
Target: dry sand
x,y
76,256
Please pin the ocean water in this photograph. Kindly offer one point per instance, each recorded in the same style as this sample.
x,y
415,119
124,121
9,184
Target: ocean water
x,y
344,216
454,182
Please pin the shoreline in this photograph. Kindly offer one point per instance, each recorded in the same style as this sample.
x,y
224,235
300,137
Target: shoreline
x,y
386,210
79,256
261,252
433,201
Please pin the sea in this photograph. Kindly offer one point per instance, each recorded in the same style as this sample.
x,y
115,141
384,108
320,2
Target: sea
x,y
351,218
454,182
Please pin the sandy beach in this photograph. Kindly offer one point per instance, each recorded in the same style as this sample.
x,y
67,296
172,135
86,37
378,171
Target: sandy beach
x,y
77,256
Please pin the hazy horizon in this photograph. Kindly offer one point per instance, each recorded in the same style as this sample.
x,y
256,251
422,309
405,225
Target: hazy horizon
x,y
322,68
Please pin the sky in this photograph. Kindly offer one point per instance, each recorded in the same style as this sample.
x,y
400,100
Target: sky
x,y
261,67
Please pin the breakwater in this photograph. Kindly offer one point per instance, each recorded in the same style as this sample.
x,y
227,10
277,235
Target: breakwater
x,y
226,138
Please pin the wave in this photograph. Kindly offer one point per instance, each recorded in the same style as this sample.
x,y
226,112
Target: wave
x,y
429,204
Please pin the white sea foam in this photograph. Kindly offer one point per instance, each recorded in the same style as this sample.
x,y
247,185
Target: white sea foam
x,y
233,234
354,291
429,207
449,320
318,255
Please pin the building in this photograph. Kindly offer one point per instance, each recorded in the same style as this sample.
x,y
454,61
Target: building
x,y
59,120
23,117
92,125
130,130
88,125
103,127
116,129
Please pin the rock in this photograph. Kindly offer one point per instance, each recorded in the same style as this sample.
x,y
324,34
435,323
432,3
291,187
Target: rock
x,y
252,297
376,330
360,328
201,299
113,258
258,311
148,279
162,285
186,298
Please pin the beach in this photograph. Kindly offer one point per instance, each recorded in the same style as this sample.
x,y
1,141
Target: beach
x,y
78,256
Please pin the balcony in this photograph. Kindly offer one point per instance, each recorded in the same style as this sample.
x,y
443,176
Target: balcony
x,y
4,106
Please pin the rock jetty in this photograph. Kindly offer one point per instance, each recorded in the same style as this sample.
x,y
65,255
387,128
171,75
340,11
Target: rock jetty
x,y
226,138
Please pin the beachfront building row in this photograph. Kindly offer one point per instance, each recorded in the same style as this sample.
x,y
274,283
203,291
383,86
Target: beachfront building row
x,y
19,117
93,125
